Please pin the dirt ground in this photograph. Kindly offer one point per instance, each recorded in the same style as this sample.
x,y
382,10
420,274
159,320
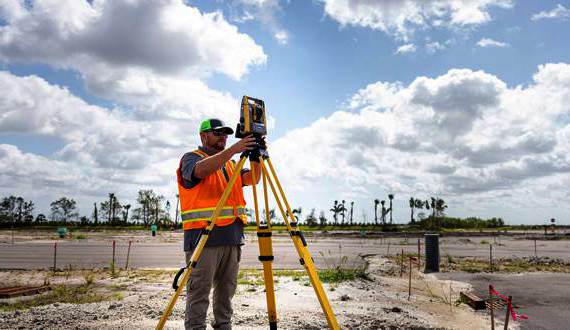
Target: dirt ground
x,y
139,297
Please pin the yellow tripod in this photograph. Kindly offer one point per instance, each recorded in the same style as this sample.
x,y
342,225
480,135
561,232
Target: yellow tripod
x,y
264,242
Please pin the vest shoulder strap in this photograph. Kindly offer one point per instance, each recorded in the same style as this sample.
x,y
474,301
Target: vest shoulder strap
x,y
200,153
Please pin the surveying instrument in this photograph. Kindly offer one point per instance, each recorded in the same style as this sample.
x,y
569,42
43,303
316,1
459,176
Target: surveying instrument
x,y
253,122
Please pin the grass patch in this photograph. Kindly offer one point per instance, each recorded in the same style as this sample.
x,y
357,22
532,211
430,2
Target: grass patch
x,y
61,294
80,236
252,277
507,265
148,275
296,275
333,276
337,275
484,241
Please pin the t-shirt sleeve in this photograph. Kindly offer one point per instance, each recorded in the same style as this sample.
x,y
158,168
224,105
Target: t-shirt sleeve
x,y
187,169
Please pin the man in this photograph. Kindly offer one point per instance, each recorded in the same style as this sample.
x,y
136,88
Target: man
x,y
203,175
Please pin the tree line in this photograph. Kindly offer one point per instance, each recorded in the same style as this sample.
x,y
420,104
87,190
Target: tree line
x,y
150,208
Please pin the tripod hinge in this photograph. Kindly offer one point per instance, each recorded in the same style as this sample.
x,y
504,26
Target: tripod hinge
x,y
300,234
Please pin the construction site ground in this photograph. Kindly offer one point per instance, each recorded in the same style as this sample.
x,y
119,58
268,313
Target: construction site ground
x,y
136,299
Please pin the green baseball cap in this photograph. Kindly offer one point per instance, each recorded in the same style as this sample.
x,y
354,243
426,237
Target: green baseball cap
x,y
215,124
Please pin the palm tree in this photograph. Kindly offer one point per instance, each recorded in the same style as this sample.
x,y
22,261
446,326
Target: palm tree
x,y
351,210
127,207
440,206
343,209
390,197
111,198
412,205
419,204
376,202
433,205
336,209
383,212
95,215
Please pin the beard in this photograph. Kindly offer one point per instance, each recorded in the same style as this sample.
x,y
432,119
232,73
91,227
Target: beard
x,y
219,146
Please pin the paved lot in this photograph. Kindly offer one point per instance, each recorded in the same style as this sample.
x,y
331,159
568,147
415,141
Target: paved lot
x,y
544,297
165,251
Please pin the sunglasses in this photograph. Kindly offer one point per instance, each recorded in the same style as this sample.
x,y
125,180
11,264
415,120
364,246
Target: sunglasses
x,y
218,133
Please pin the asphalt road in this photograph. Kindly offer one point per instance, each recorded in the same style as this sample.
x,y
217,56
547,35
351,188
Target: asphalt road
x,y
544,297
327,252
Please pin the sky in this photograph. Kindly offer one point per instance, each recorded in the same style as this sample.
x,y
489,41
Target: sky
x,y
465,100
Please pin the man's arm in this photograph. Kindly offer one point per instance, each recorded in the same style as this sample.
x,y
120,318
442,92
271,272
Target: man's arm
x,y
246,177
210,164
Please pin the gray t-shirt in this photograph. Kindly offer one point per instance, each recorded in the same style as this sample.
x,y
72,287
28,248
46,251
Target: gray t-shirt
x,y
226,235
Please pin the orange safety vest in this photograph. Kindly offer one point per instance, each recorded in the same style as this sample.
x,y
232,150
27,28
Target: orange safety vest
x,y
197,204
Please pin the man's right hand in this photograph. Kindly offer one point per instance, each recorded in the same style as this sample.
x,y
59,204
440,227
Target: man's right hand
x,y
247,143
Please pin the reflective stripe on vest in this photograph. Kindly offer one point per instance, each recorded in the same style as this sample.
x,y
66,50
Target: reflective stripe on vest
x,y
206,214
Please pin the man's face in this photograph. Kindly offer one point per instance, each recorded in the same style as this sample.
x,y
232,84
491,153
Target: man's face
x,y
215,140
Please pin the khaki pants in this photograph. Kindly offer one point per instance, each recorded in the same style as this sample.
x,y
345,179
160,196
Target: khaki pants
x,y
217,266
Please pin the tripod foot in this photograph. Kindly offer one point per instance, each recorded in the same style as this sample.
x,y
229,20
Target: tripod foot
x,y
272,325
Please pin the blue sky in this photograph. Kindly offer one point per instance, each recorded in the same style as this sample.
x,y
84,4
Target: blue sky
x,y
463,100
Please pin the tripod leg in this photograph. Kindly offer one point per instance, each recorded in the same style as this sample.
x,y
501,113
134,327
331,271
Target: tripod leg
x,y
301,246
265,256
201,244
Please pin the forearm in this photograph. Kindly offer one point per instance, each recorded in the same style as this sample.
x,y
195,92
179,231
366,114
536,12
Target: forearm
x,y
213,163
247,177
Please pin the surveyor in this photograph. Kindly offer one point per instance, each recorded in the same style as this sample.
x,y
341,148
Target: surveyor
x,y
203,174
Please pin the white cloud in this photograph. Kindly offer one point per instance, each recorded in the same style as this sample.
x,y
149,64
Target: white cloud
x,y
103,150
402,18
266,12
560,12
164,37
433,47
282,37
407,48
486,42
464,135
149,56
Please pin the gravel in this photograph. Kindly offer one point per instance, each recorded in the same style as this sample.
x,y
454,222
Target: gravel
x,y
361,304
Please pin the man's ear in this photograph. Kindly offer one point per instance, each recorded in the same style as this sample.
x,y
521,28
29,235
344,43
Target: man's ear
x,y
202,137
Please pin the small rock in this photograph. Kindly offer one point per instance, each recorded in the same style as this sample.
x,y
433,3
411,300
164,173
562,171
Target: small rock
x,y
396,309
245,305
17,313
345,297
105,317
112,306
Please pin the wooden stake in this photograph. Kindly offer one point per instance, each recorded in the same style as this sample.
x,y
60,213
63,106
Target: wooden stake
x,y
450,306
491,307
128,254
410,280
491,256
509,306
419,255
535,247
54,256
113,262
388,252
402,264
